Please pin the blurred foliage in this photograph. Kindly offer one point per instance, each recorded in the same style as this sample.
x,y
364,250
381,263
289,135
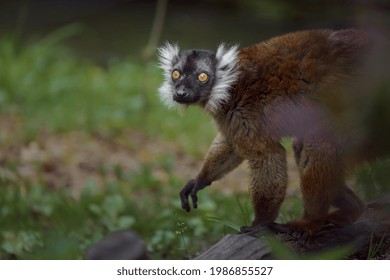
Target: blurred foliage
x,y
121,27
39,223
52,89
373,180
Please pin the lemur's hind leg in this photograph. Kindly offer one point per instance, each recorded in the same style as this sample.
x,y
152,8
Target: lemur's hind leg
x,y
323,184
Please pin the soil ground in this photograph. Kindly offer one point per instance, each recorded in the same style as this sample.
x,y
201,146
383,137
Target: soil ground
x,y
75,158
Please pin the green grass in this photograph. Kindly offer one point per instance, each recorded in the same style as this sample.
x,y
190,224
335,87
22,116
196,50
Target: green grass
x,y
38,223
52,89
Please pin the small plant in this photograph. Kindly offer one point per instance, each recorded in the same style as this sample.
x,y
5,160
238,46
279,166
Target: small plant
x,y
375,246
181,228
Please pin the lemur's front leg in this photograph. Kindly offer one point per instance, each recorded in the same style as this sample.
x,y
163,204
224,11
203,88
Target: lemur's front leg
x,y
220,159
268,167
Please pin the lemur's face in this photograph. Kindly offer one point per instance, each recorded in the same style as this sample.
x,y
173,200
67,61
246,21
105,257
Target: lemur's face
x,y
193,76
197,76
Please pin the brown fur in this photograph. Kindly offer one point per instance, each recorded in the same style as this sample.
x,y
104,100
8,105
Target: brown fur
x,y
294,85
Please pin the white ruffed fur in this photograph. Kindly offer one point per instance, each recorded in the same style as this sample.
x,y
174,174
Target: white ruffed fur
x,y
167,54
226,75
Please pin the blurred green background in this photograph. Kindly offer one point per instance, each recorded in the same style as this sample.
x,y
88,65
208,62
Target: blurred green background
x,y
86,147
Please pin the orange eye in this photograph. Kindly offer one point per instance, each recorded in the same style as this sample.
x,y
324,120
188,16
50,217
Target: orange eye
x,y
203,77
175,75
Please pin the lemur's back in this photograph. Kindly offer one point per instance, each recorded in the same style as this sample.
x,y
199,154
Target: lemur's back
x,y
299,79
296,62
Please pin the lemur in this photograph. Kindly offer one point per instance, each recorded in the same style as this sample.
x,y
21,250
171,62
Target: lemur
x,y
303,85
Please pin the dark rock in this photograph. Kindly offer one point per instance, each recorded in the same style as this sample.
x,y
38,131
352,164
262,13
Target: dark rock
x,y
120,245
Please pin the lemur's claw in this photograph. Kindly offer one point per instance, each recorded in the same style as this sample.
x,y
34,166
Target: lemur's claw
x,y
194,198
185,192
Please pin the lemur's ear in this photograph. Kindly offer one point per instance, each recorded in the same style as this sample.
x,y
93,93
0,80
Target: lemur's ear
x,y
167,54
226,75
226,56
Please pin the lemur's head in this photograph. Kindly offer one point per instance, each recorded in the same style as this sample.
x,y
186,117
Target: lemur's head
x,y
197,76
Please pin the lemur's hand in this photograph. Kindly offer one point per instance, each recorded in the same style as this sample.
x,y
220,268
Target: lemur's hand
x,y
190,189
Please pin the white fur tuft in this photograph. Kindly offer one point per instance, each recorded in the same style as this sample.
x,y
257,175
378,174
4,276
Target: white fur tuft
x,y
166,55
226,76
